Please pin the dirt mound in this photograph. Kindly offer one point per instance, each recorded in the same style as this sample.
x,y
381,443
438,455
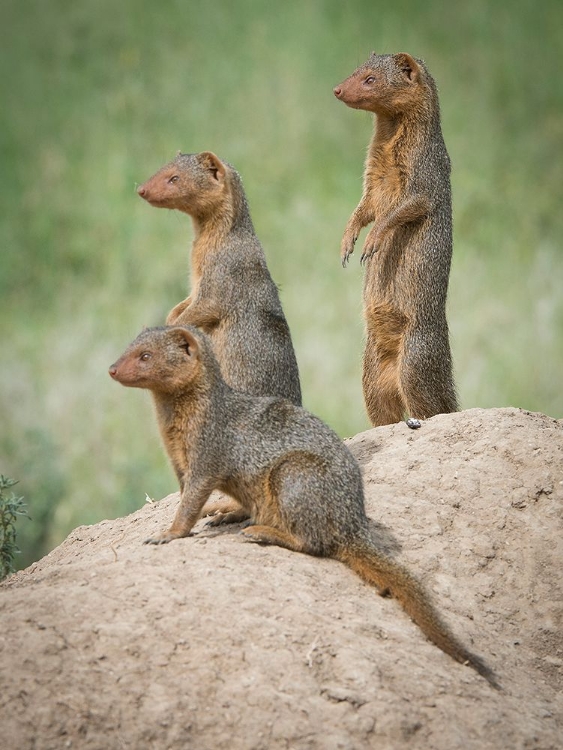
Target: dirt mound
x,y
211,642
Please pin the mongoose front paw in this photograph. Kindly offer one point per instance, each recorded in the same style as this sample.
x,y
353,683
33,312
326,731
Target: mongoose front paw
x,y
371,246
366,255
164,538
234,516
367,252
347,248
216,519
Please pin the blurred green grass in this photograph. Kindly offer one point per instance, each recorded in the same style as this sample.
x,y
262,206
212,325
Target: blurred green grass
x,y
97,96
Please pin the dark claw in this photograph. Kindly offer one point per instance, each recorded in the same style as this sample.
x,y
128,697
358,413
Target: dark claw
x,y
254,538
366,255
348,253
156,540
219,519
346,256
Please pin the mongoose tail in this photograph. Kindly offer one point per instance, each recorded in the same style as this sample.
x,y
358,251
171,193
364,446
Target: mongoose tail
x,y
392,579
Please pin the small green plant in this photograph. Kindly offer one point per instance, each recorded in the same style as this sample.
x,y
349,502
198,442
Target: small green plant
x,y
10,508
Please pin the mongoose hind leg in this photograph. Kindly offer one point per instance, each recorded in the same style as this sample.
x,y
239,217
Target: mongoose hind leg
x,y
380,382
384,406
269,535
426,377
383,396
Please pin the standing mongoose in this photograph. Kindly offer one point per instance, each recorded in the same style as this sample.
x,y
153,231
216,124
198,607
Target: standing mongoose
x,y
233,297
407,365
298,483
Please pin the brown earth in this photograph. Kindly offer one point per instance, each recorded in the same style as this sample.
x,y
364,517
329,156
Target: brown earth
x,y
211,642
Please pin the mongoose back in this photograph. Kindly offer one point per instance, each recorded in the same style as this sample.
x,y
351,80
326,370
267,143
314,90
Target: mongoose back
x,y
233,297
298,483
407,365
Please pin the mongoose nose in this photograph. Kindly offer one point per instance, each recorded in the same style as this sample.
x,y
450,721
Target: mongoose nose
x,y
113,371
141,190
337,91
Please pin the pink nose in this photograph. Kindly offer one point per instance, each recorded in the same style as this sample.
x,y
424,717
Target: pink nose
x,y
337,91
113,371
141,190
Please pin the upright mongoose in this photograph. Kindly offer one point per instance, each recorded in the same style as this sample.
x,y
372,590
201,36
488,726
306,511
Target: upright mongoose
x,y
407,365
296,480
233,297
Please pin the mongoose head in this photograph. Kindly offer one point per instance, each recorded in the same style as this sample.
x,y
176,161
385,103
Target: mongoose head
x,y
168,359
388,85
193,183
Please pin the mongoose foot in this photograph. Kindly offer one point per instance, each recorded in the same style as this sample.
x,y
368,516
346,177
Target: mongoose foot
x,y
371,245
234,516
413,423
221,504
367,253
164,538
347,248
269,535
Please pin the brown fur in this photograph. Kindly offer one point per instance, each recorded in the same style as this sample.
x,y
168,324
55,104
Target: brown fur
x,y
233,297
407,362
289,472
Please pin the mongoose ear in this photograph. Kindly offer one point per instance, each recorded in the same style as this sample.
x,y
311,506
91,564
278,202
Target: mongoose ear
x,y
212,162
191,344
408,66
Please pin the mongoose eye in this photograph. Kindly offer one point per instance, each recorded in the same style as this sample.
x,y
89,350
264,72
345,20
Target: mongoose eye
x,y
174,178
370,79
145,356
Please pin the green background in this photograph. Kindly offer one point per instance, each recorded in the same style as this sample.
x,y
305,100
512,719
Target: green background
x,y
98,95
